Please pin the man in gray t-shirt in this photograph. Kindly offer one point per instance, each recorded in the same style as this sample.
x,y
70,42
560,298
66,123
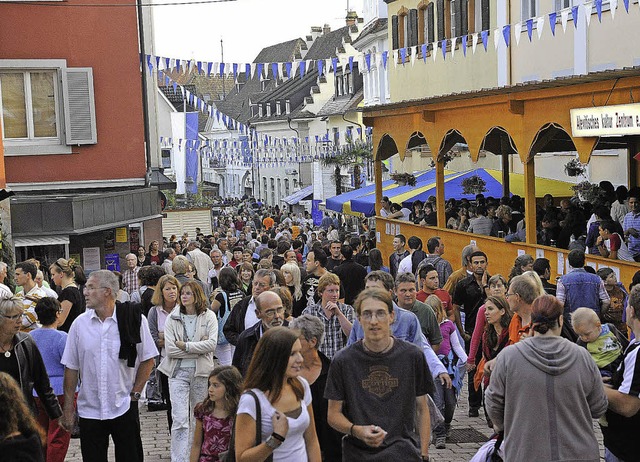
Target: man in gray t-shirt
x,y
376,386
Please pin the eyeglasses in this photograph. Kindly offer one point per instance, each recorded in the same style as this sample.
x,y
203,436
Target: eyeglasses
x,y
95,288
272,312
507,295
369,315
14,317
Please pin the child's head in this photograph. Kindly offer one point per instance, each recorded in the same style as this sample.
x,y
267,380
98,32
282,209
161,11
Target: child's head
x,y
436,304
225,386
608,276
586,324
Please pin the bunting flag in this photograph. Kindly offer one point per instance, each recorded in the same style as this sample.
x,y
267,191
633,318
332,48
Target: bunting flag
x,y
552,22
496,38
574,16
259,70
394,55
626,5
613,6
540,26
518,32
529,28
564,18
434,52
334,63
506,33
485,38
598,4
454,40
474,43
414,52
303,68
385,56
587,13
350,64
464,45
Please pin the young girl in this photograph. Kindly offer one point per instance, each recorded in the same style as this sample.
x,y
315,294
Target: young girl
x,y
450,353
215,415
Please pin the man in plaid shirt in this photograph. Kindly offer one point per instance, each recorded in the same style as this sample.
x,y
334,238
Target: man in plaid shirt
x,y
336,317
130,275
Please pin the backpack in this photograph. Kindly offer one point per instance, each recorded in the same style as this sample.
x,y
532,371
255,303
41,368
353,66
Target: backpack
x,y
222,320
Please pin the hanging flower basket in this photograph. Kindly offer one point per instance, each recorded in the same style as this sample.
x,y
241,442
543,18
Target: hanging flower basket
x,y
404,179
574,168
589,192
473,185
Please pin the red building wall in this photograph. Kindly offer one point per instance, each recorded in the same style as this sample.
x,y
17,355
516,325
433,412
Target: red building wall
x,y
105,39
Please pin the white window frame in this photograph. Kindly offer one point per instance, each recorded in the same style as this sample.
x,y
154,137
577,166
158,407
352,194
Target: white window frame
x,y
62,143
525,9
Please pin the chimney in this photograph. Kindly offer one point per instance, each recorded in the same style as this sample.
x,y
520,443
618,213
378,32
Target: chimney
x,y
326,29
351,18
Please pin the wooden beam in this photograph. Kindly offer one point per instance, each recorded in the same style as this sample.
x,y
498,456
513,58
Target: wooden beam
x,y
516,107
441,217
530,201
377,171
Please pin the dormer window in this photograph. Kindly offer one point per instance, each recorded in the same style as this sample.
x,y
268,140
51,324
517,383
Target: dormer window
x,y
260,110
287,106
278,108
268,109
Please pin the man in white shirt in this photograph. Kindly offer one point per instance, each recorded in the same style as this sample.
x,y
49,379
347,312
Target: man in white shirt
x,y
26,273
111,348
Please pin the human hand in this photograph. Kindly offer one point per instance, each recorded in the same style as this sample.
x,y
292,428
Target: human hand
x,y
67,420
488,367
466,336
280,423
633,232
181,345
469,367
445,380
372,435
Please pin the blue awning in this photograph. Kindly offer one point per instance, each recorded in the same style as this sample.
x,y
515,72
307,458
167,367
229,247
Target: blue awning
x,y
303,194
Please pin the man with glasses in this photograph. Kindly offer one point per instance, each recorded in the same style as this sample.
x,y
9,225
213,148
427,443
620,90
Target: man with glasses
x,y
111,348
270,313
244,314
377,389
130,275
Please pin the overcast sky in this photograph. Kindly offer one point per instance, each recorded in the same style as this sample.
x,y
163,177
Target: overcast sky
x,y
246,26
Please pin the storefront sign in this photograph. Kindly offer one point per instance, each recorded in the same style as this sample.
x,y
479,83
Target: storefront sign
x,y
618,120
121,234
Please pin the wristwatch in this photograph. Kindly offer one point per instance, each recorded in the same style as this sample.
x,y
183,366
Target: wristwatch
x,y
272,443
135,395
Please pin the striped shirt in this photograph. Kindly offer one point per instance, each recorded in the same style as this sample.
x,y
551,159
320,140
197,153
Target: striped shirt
x,y
130,280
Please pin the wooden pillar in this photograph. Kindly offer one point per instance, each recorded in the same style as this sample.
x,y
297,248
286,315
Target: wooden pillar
x,y
377,172
442,219
506,187
530,201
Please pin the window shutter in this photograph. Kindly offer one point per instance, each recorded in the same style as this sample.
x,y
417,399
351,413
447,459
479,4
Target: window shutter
x,y
79,106
441,31
394,31
413,27
464,17
486,23
430,24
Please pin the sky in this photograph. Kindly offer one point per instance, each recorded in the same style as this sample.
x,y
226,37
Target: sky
x,y
246,26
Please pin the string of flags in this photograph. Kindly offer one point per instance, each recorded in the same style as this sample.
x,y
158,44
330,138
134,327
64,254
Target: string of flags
x,y
288,70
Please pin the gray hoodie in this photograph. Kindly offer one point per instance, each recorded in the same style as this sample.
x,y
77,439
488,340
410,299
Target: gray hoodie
x,y
544,392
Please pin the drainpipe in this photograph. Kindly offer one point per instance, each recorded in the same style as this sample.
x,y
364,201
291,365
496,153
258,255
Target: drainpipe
x,y
145,108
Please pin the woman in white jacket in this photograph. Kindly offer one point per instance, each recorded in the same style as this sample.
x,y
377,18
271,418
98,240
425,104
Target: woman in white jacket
x,y
191,332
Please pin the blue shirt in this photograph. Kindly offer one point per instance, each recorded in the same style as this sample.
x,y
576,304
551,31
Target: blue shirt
x,y
51,344
632,221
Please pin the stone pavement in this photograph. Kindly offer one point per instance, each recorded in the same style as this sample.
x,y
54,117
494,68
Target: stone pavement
x,y
156,442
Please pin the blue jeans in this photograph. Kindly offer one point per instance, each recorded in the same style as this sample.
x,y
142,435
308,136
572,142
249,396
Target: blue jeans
x,y
609,457
445,399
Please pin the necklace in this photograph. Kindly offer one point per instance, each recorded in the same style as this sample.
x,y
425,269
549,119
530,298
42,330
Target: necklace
x,y
7,352
384,350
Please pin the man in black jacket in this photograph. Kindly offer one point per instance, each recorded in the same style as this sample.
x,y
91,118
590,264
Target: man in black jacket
x,y
270,312
243,315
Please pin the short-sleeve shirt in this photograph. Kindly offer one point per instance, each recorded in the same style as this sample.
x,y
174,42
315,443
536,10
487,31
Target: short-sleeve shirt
x,y
380,389
621,434
293,447
616,243
217,435
71,294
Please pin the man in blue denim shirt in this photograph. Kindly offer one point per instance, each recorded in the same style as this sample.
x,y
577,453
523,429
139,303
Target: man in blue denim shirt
x,y
631,226
578,288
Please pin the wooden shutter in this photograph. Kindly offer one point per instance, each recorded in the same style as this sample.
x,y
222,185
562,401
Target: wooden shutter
x,y
486,23
464,17
413,27
394,32
79,106
430,24
441,29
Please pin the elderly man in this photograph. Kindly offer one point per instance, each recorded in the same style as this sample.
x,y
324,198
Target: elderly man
x,y
270,313
130,275
111,348
244,315
216,259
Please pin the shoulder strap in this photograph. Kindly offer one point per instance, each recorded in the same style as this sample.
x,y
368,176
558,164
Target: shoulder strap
x,y
258,417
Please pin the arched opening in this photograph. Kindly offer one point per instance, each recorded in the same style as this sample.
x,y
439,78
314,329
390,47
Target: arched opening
x,y
386,148
497,141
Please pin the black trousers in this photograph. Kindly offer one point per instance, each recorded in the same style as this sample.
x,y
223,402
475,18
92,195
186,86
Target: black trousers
x,y
475,396
125,432
166,399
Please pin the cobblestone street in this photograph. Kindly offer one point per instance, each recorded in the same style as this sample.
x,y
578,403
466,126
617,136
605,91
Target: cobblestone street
x,y
156,442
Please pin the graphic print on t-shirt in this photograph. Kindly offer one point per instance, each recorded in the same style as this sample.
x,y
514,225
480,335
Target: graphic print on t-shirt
x,y
379,382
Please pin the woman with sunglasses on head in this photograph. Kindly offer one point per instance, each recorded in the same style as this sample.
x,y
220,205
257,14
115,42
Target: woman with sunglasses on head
x,y
66,274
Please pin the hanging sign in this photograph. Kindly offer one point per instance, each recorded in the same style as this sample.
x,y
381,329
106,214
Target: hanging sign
x,y
617,120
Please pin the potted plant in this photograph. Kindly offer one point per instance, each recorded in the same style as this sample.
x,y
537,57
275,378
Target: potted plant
x,y
473,185
404,179
589,192
574,167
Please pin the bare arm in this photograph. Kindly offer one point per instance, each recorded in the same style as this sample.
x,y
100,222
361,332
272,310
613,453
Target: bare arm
x,y
66,309
345,324
70,383
311,439
144,371
424,424
621,403
369,434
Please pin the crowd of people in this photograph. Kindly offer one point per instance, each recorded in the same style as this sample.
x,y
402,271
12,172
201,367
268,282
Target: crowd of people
x,y
273,338
609,226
